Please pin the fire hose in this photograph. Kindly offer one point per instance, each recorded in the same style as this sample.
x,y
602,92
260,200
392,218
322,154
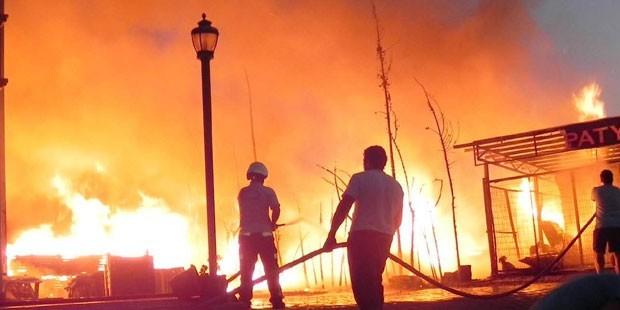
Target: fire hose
x,y
430,280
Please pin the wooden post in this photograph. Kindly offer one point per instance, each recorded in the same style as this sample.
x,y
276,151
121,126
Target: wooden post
x,y
539,207
333,276
577,220
512,224
321,256
489,220
529,192
277,239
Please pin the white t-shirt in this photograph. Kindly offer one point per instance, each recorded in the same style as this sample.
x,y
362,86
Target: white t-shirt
x,y
378,202
607,199
255,200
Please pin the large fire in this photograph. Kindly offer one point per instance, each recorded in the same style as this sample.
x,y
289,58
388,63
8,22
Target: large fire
x,y
96,230
147,117
99,229
152,228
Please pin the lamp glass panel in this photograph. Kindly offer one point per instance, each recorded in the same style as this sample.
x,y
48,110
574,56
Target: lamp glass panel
x,y
196,41
208,41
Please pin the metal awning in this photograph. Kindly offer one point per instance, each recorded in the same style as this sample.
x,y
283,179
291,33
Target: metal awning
x,y
552,149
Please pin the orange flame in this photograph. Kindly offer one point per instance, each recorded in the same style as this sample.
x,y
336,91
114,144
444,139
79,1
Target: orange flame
x,y
551,210
97,230
588,103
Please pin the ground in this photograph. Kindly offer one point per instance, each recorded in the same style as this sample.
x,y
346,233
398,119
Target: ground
x,y
421,299
395,299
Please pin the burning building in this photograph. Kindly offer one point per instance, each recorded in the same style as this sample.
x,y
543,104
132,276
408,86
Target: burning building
x,y
535,211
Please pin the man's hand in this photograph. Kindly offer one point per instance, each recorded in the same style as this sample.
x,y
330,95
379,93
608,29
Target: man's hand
x,y
330,243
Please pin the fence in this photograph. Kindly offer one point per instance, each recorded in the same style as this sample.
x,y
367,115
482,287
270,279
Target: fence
x,y
535,216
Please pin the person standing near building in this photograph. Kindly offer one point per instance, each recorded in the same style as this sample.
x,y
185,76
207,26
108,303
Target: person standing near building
x,y
607,229
256,235
378,200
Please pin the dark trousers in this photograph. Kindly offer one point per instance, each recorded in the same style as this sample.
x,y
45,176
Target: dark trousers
x,y
367,251
250,247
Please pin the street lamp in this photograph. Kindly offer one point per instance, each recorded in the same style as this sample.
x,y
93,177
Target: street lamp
x,y
204,38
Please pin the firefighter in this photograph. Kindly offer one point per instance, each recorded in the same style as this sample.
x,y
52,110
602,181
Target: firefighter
x,y
378,212
256,234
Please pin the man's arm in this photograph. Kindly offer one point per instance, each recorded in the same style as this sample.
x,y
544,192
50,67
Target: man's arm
x,y
339,216
399,214
399,218
274,205
275,215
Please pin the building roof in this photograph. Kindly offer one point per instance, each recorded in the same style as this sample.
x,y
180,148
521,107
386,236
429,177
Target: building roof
x,y
552,149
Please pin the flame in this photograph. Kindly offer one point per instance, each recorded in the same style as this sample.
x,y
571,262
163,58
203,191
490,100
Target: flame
x,y
118,121
429,223
551,209
97,230
61,278
424,219
588,103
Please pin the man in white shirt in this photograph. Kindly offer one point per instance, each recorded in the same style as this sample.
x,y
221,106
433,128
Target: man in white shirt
x,y
378,213
607,229
256,235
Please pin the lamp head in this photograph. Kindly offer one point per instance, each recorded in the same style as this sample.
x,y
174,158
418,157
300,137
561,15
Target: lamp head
x,y
204,38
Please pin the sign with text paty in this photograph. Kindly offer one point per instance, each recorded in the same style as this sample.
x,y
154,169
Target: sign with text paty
x,y
593,134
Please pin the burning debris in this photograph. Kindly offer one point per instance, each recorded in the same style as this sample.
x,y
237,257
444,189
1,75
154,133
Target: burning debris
x,y
96,229
95,232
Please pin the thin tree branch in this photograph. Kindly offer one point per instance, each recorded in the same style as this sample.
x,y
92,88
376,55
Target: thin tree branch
x,y
441,129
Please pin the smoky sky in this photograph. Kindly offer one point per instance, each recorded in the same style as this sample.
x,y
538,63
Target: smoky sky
x,y
584,37
117,83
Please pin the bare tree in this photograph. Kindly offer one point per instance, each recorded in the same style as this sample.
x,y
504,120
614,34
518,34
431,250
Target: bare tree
x,y
428,249
445,133
409,200
384,70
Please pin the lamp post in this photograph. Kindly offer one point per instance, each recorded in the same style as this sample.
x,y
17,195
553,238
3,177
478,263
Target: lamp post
x,y
204,38
3,82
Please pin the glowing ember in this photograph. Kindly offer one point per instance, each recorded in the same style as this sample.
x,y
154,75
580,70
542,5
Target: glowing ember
x,y
588,103
97,230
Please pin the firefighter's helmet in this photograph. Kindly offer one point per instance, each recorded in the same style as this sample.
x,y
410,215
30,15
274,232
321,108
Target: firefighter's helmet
x,y
257,168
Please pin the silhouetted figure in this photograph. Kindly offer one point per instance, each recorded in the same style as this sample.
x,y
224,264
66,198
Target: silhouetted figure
x,y
607,230
256,235
378,212
593,292
506,265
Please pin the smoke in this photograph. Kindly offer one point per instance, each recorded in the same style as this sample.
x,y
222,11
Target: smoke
x,y
116,84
